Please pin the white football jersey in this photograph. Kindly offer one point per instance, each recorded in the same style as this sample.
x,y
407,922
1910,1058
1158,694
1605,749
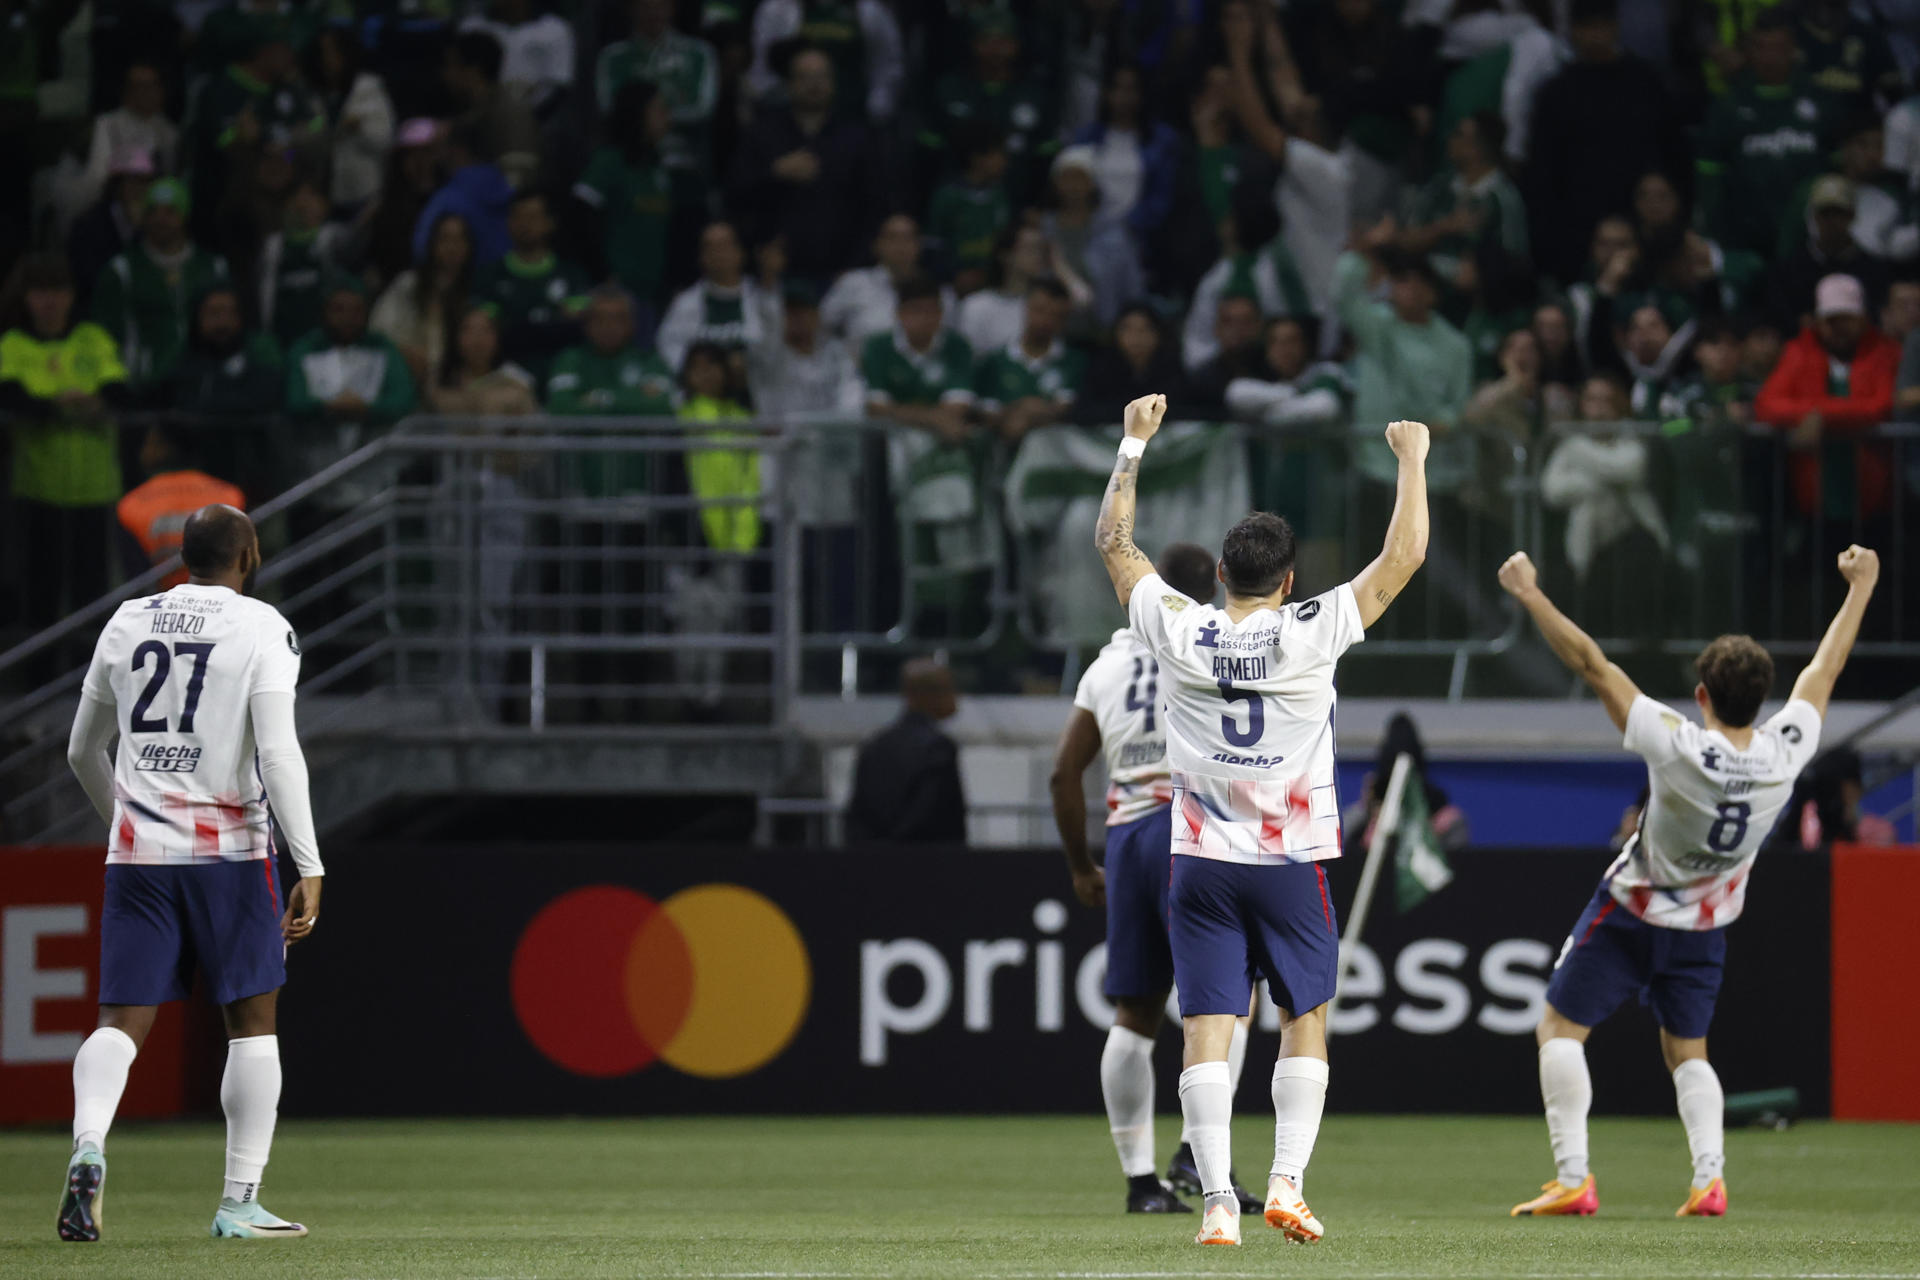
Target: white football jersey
x,y
1122,689
179,669
1709,809
1249,721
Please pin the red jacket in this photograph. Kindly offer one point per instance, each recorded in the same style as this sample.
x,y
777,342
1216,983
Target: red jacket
x,y
1798,386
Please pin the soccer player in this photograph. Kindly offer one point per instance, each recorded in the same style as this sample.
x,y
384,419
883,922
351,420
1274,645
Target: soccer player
x,y
198,684
1248,695
1658,921
1116,712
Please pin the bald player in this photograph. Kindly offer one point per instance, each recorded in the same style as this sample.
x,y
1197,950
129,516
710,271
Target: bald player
x,y
197,682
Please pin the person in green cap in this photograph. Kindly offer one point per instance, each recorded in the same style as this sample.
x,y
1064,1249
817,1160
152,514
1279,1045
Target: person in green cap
x,y
994,96
142,295
59,382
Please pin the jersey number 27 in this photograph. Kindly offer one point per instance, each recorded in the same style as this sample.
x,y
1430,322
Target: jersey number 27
x,y
200,652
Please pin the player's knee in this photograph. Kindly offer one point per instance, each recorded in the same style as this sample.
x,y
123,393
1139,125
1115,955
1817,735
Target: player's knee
x,y
1679,1049
1142,1017
1555,1025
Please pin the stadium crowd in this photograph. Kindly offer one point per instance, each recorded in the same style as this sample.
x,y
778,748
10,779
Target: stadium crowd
x,y
307,219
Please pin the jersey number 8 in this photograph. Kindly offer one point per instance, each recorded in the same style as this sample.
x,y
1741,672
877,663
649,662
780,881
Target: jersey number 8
x,y
1730,827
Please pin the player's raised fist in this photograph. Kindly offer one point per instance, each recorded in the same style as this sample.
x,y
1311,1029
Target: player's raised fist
x,y
1408,440
1859,565
1143,416
1518,575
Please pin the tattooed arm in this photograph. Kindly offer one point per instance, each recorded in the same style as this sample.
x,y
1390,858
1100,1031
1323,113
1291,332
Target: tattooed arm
x,y
1113,533
1406,545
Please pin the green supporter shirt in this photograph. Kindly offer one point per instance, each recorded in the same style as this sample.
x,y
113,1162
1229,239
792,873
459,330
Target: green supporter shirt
x,y
1758,145
835,30
64,462
688,73
969,220
1494,198
637,204
628,383
1020,111
1220,169
1009,374
897,374
297,276
1403,370
143,303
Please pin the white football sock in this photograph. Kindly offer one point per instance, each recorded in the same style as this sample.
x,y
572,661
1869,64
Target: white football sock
x,y
1206,1101
99,1078
1126,1083
1703,1110
1567,1091
1236,1057
250,1095
1299,1097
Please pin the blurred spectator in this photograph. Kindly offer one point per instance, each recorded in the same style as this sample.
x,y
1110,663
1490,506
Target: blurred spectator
x,y
1562,363
1714,394
1287,389
138,126
537,49
687,72
475,377
231,28
256,103
807,175
477,192
920,374
800,369
141,297
728,480
1825,808
630,195
861,37
421,308
1514,404
1030,383
906,781
725,306
1760,142
1630,335
969,214
1760,348
413,176
1597,126
993,95
360,118
107,230
864,301
59,383
1612,236
1315,192
1837,376
1471,203
1236,333
296,260
502,123
1885,222
1136,158
1845,58
1900,314
1600,480
1091,245
606,374
1142,361
1450,828
1367,71
1827,249
1214,165
154,512
1408,362
231,383
994,316
536,294
1256,263
344,376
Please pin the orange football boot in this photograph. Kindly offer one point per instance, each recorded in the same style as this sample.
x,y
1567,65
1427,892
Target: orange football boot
x,y
1556,1199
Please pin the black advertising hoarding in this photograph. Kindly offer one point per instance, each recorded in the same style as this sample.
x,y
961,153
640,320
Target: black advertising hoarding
x,y
588,980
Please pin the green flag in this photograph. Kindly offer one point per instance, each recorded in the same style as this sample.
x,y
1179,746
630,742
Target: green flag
x,y
1419,865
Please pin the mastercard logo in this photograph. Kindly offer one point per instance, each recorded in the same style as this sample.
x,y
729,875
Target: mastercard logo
x,y
714,981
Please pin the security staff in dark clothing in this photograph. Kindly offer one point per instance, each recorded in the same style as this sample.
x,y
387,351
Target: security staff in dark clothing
x,y
906,787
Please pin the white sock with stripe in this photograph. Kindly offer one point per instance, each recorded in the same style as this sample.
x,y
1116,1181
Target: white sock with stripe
x,y
1567,1091
99,1078
1126,1085
1703,1110
250,1095
1206,1100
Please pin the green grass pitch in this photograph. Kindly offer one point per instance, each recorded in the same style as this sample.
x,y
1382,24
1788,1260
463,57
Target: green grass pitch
x,y
772,1198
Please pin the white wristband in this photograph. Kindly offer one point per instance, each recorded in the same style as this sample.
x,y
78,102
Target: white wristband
x,y
1132,447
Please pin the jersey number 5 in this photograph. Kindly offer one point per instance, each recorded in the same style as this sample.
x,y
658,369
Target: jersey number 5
x,y
162,664
1134,701
1256,716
